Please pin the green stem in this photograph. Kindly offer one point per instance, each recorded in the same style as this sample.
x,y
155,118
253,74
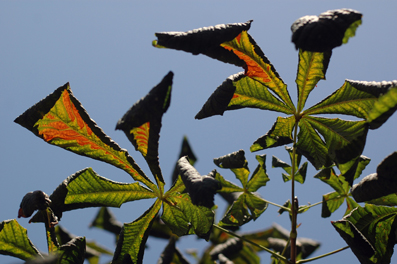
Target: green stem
x,y
321,256
275,254
280,206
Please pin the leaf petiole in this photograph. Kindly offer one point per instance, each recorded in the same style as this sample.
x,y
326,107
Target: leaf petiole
x,y
321,256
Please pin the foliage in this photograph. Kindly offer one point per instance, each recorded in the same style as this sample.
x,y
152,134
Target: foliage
x,y
187,207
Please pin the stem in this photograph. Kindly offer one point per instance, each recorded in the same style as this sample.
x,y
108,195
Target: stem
x,y
294,200
322,256
280,206
253,243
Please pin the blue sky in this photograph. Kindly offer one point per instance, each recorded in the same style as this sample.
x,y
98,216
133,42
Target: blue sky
x,y
104,50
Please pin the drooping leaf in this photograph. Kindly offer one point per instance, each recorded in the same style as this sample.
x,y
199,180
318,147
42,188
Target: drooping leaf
x,y
86,188
229,249
280,134
171,254
240,91
61,120
133,236
15,242
311,69
142,123
259,178
186,150
381,184
384,107
370,232
326,31
201,189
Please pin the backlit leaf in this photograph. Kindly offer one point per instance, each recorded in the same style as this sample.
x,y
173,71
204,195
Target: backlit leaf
x,y
240,91
61,120
326,31
384,107
72,252
85,188
142,123
133,236
15,242
300,173
107,221
370,232
311,69
186,150
259,178
280,134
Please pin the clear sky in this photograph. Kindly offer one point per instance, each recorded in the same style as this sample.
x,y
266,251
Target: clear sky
x,y
103,48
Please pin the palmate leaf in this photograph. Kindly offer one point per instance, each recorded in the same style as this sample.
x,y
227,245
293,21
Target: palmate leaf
x,y
61,120
72,252
142,123
300,174
15,242
85,188
248,204
171,254
133,236
370,232
232,44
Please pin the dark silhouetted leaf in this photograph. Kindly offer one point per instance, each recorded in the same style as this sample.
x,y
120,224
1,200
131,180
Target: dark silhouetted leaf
x,y
326,31
380,184
107,221
186,150
142,123
172,255
229,248
72,252
33,201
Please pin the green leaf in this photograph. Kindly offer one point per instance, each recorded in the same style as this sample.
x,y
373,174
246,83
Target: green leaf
x,y
85,188
142,123
201,189
133,236
61,120
183,217
237,163
239,91
326,31
259,178
353,98
370,232
15,242
72,252
379,187
300,174
384,107
311,69
280,134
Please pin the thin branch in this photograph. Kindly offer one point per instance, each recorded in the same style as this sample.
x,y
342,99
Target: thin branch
x,y
277,255
321,256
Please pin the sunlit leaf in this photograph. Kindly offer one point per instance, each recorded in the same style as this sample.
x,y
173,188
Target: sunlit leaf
x,y
15,242
280,134
227,186
142,123
61,120
259,178
326,31
311,69
133,236
381,184
384,107
183,217
237,163
239,91
370,232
